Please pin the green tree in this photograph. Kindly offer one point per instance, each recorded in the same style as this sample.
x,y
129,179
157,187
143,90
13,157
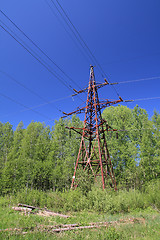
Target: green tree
x,y
65,146
6,139
146,144
123,150
156,136
33,156
11,171
133,152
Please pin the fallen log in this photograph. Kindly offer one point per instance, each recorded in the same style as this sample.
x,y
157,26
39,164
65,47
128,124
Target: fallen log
x,y
49,227
27,206
22,209
97,225
16,229
77,226
74,228
42,211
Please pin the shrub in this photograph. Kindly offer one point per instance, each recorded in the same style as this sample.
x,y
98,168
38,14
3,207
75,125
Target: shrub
x,y
152,192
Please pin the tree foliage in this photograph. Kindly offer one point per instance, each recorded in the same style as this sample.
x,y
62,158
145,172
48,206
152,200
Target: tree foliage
x,y
43,158
133,154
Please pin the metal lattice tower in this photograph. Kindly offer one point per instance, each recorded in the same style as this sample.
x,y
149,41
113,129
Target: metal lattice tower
x,y
93,155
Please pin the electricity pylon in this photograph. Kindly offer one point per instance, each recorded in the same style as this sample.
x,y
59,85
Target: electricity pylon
x,y
93,155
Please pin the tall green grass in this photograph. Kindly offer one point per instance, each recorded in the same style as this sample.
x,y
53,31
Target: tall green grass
x,y
98,200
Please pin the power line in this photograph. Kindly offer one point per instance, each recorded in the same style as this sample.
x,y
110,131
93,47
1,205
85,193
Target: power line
x,y
99,66
32,51
48,69
49,102
37,58
137,80
37,106
51,8
71,31
34,93
15,101
22,85
142,99
80,39
39,49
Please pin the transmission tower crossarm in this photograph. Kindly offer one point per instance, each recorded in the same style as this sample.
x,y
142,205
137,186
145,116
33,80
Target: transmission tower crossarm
x,y
102,105
79,110
86,89
108,128
108,103
76,130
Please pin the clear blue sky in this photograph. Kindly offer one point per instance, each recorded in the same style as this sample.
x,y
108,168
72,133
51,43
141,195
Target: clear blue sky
x,y
124,36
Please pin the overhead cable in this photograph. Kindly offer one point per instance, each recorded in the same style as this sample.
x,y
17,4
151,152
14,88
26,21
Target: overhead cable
x,y
142,99
137,80
79,35
36,56
43,63
73,32
80,40
22,85
39,60
51,8
31,50
30,90
36,106
15,101
39,49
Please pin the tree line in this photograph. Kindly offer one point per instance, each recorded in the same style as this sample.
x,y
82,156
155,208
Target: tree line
x,y
43,158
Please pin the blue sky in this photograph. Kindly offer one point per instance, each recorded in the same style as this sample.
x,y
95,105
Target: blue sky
x,y
124,37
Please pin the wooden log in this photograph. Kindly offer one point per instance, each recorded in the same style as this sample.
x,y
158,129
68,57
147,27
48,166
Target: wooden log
x,y
22,209
27,206
94,225
44,211
73,228
10,229
58,226
68,227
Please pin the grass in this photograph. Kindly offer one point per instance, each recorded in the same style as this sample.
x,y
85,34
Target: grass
x,y
96,206
147,229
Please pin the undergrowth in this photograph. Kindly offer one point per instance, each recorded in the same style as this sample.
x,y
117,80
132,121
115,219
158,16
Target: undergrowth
x,y
98,200
95,206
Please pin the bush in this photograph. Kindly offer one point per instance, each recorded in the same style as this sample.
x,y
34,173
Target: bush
x,y
98,200
152,192
74,200
115,202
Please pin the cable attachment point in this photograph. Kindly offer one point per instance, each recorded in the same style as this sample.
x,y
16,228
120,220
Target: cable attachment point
x,y
113,83
128,100
106,81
